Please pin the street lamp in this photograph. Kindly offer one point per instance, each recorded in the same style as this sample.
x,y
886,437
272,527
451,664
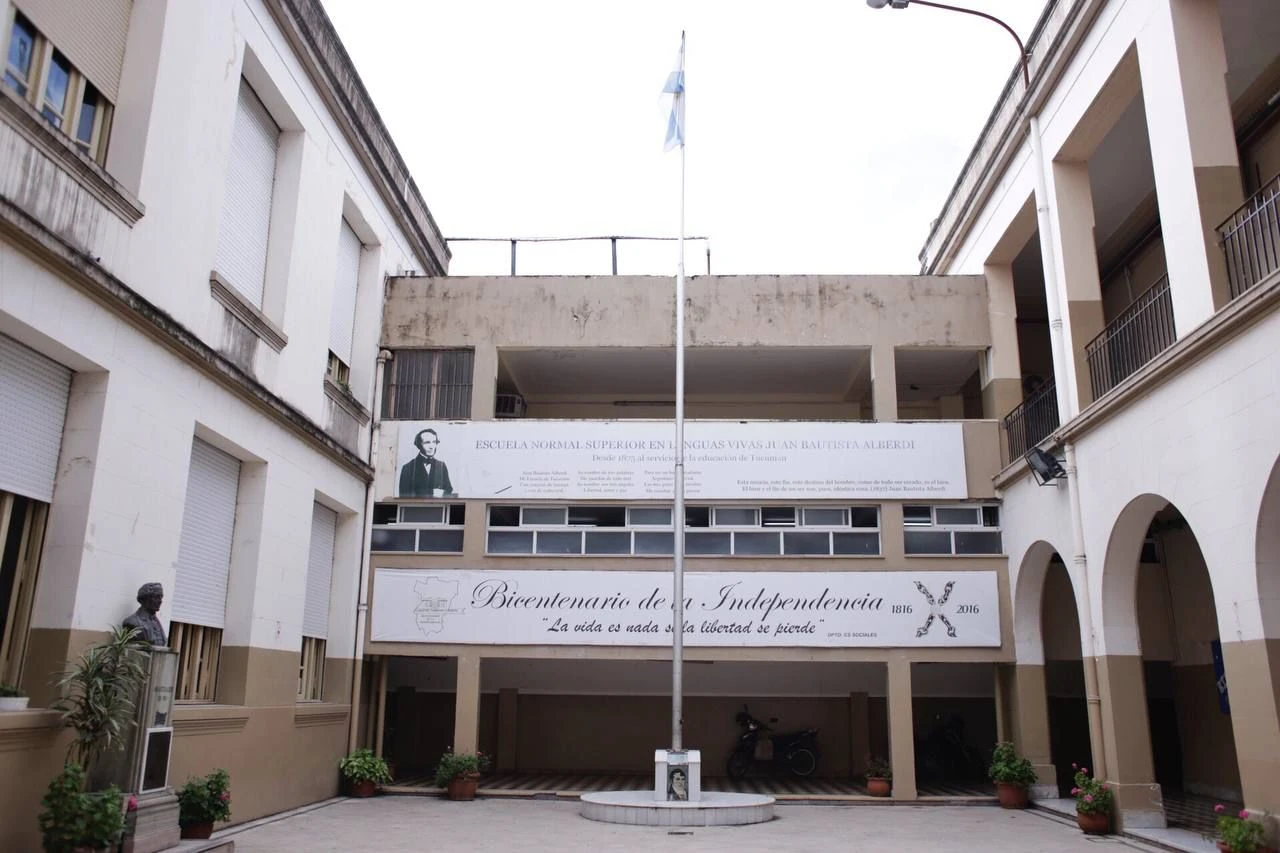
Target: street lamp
x,y
902,4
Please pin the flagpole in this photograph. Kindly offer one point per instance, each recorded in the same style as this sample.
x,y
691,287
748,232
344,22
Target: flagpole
x,y
677,623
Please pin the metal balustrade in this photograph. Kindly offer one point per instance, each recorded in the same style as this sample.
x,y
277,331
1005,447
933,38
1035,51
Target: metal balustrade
x,y
1251,239
1141,332
1033,420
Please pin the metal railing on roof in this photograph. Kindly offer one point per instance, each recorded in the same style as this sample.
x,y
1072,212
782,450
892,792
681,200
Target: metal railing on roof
x,y
1032,421
1251,239
1140,333
613,245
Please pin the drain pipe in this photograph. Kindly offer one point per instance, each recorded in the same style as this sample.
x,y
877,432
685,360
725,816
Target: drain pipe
x,y
362,593
1067,410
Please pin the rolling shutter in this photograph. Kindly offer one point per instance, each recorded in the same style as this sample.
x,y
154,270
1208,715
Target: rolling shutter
x,y
33,407
208,524
246,202
92,35
315,613
344,293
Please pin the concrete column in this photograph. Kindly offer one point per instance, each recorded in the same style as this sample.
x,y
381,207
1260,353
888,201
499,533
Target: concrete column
x,y
508,733
1253,685
1002,367
1031,726
380,723
902,746
1080,289
892,548
1001,679
884,383
859,734
1193,149
484,383
1126,738
466,717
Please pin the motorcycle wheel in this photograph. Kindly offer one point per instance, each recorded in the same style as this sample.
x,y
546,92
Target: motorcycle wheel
x,y
802,762
738,765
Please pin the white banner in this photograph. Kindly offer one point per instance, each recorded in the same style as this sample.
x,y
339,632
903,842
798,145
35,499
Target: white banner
x,y
819,609
724,460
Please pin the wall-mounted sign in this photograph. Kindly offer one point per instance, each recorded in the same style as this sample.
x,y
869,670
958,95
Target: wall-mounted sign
x,y
724,460
818,609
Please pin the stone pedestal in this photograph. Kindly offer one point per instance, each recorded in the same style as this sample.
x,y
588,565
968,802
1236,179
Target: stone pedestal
x,y
154,825
669,766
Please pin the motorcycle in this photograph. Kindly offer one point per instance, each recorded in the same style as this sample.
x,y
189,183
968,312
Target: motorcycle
x,y
760,746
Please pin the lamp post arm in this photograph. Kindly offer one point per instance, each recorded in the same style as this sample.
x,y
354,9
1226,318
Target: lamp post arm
x,y
1022,51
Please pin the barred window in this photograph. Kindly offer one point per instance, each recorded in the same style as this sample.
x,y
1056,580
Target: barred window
x,y
422,385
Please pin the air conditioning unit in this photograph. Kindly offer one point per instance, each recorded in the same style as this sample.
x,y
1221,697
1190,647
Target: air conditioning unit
x,y
509,406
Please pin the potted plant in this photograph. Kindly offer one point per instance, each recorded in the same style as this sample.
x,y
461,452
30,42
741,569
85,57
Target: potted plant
x,y
1093,802
1013,776
879,777
73,821
203,801
100,688
364,771
12,698
459,773
1239,833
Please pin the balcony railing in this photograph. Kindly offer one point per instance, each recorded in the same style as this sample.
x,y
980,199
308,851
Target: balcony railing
x,y
1141,332
1033,420
1251,239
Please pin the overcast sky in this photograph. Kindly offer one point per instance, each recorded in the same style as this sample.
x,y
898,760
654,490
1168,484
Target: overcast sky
x,y
823,136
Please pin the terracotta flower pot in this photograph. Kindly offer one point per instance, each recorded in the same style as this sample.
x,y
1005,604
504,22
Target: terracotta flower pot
x,y
463,786
878,787
204,829
1012,796
363,788
1094,823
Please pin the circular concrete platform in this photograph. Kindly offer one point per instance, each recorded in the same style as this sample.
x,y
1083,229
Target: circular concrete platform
x,y
639,808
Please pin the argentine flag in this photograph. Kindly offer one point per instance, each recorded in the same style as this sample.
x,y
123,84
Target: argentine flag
x,y
675,88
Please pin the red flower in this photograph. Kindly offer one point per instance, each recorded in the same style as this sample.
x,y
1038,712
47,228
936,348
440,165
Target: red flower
x,y
1084,769
1088,798
1244,814
133,803
224,796
1219,808
1075,791
1075,766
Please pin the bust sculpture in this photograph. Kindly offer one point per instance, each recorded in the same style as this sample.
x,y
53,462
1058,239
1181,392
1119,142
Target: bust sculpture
x,y
150,630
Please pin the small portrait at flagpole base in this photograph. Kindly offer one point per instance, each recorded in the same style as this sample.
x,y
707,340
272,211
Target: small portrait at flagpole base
x,y
677,778
423,473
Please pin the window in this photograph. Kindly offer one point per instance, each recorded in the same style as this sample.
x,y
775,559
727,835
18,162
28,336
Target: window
x,y
44,77
428,385
247,194
311,670
337,372
204,566
421,529
199,647
21,536
709,531
949,529
345,286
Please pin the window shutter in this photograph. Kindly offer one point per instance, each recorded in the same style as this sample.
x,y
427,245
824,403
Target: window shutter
x,y
208,523
246,202
345,285
33,407
315,612
92,35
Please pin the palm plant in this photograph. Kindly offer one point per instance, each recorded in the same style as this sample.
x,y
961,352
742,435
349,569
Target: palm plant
x,y
100,689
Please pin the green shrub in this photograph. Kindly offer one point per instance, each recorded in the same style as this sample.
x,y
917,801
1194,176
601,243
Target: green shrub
x,y
879,768
72,818
205,799
1008,767
455,763
363,766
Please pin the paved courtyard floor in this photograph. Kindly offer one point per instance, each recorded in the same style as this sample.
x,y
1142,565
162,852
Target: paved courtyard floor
x,y
396,824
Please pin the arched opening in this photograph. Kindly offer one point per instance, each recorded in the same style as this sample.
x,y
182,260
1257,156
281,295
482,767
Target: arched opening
x,y
1064,679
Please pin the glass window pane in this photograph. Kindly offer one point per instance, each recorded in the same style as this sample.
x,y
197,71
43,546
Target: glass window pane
x,y
598,516
978,542
504,516
806,543
22,43
864,516
55,89
510,542
825,517
655,543
613,542
917,515
991,516
392,540
707,543
737,516
88,109
457,514
697,516
543,515
422,514
957,515
557,542
926,542
855,543
778,516
446,541
750,542
385,513
650,515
